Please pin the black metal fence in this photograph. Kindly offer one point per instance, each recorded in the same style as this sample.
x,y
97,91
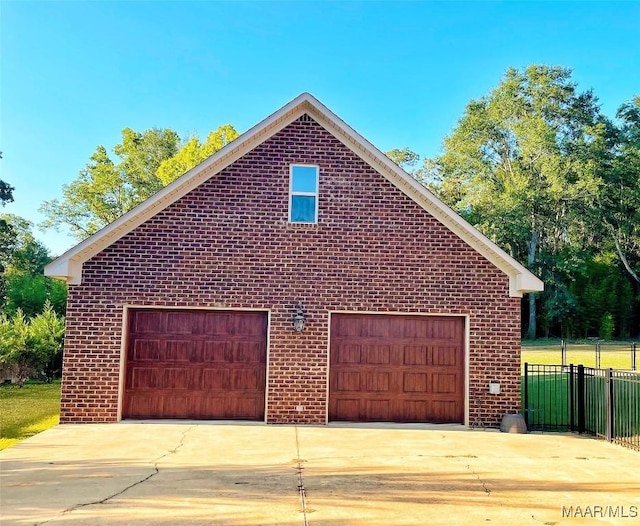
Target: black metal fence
x,y
600,402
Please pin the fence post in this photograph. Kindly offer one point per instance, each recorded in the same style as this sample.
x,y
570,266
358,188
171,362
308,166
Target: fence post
x,y
581,425
609,402
563,352
526,394
597,355
633,356
572,400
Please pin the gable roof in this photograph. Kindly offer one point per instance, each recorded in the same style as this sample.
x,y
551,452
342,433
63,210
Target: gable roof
x,y
68,266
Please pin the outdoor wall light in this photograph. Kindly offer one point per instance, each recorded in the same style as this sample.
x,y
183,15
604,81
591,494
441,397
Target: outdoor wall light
x,y
298,317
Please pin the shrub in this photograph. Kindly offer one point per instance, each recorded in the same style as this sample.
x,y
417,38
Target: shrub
x,y
29,347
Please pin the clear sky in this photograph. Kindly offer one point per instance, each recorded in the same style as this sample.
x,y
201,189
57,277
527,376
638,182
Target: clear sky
x,y
73,74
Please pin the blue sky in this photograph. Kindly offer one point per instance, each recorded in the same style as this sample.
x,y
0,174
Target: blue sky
x,y
73,74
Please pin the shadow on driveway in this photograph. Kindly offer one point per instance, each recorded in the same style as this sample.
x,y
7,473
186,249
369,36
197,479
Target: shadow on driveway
x,y
162,474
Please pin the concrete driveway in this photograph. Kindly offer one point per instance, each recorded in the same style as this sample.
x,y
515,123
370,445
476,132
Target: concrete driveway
x,y
223,473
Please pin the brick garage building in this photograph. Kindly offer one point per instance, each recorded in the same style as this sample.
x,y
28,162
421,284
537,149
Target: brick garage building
x,y
297,275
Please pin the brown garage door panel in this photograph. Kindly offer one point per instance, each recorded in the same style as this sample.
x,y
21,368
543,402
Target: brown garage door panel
x,y
198,405
195,364
396,368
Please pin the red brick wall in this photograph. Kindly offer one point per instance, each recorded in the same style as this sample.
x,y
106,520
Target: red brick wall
x,y
228,244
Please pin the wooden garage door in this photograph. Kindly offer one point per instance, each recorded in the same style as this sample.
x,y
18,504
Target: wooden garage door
x,y
392,368
195,364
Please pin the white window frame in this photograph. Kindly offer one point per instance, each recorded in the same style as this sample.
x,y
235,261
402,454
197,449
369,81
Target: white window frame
x,y
307,194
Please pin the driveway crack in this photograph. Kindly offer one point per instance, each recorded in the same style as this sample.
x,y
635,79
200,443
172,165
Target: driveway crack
x,y
156,470
486,488
301,489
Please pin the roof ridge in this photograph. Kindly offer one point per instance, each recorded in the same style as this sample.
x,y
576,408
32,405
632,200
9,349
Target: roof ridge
x,y
68,266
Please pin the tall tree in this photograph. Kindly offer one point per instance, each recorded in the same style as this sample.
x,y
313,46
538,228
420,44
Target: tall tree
x,y
405,158
193,152
142,154
7,234
25,286
6,193
28,254
104,189
428,174
515,166
619,210
107,188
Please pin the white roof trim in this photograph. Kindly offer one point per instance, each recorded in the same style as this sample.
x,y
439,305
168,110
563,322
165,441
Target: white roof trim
x,y
69,265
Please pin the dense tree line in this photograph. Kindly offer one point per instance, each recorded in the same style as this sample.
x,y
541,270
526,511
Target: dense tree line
x,y
535,165
538,168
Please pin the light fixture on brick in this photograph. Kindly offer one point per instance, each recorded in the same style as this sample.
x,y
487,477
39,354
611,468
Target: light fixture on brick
x,y
298,317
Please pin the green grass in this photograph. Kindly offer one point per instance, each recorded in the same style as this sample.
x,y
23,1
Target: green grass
x,y
549,396
613,354
27,411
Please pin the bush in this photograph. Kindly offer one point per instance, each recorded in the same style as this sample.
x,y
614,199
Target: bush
x,y
14,346
47,339
30,347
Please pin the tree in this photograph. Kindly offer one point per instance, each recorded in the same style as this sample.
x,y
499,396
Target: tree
x,y
428,174
6,193
404,158
30,294
7,244
142,154
28,254
193,152
24,284
104,189
619,199
7,236
515,165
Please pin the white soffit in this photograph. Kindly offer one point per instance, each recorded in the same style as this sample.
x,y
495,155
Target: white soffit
x,y
69,265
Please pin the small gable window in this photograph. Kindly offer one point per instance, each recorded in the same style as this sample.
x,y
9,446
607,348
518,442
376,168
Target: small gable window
x,y
303,193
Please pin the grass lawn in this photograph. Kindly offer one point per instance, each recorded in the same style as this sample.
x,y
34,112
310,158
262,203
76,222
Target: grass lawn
x,y
548,401
27,411
613,354
549,392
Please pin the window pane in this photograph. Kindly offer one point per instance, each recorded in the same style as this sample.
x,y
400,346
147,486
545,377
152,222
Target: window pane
x,y
303,209
304,179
